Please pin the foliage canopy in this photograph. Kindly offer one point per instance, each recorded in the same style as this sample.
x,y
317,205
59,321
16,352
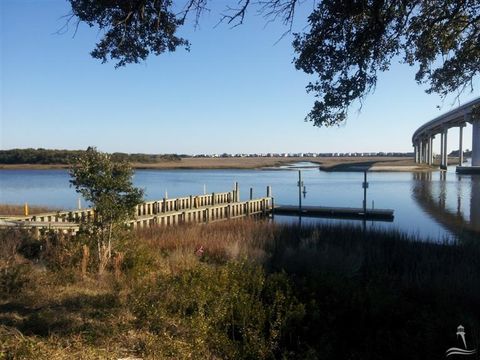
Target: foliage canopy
x,y
108,186
346,43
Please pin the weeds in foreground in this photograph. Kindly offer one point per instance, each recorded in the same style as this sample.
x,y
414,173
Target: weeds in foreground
x,y
239,290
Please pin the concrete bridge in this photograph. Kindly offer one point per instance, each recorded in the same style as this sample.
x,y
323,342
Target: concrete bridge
x,y
423,137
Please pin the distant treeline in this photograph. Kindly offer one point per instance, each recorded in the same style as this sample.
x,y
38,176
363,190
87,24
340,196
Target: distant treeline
x,y
46,156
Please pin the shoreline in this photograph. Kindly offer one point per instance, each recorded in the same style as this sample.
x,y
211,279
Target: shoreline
x,y
329,164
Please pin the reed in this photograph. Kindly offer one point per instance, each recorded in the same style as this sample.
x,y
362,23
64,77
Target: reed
x,y
240,289
15,209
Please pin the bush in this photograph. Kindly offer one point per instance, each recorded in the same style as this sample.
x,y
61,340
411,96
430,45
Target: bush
x,y
232,312
14,279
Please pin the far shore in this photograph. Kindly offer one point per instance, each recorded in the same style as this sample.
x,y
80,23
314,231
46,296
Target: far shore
x,y
378,163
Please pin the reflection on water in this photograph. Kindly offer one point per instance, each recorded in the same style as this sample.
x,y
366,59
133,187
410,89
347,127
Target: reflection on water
x,y
450,199
475,203
434,205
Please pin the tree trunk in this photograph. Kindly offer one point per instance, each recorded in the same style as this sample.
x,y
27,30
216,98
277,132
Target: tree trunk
x,y
110,240
103,260
85,257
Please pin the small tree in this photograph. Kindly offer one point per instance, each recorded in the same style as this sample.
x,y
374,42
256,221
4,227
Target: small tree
x,y
108,186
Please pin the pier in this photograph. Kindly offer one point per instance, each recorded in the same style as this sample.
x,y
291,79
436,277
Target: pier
x,y
204,208
165,212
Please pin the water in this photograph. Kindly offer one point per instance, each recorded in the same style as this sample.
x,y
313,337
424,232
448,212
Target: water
x,y
426,204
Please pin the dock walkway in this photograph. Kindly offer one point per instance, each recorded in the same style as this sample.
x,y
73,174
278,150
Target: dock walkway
x,y
165,212
335,212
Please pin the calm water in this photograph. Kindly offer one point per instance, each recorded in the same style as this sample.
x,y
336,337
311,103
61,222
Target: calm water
x,y
430,205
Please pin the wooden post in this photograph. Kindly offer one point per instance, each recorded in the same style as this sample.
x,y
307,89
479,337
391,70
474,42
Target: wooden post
x,y
365,186
300,185
191,202
213,198
251,193
269,191
237,192
25,209
164,205
273,206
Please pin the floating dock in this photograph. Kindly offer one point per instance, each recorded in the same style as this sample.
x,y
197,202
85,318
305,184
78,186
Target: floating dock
x,y
468,170
335,212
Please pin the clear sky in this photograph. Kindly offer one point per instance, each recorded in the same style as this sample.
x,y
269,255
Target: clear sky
x,y
235,91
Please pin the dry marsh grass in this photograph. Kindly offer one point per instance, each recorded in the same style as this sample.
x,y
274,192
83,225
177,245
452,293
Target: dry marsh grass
x,y
229,239
242,163
15,209
255,290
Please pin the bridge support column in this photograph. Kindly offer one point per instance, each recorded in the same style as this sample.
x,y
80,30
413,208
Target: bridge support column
x,y
430,150
420,155
476,142
460,146
427,151
421,152
442,143
445,149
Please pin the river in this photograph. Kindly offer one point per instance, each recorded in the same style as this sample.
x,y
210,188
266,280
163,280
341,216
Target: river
x,y
430,205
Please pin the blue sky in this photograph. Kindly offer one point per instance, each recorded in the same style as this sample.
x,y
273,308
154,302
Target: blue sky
x,y
235,91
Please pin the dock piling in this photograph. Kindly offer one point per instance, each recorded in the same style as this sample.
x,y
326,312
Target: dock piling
x,y
300,186
365,187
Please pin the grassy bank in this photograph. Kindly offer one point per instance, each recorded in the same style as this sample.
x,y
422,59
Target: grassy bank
x,y
326,163
15,209
238,290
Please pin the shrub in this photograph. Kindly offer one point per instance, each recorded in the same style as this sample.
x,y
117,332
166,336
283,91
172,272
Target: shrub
x,y
14,279
233,311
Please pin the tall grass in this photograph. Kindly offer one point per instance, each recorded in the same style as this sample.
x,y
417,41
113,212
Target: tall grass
x,y
241,290
15,209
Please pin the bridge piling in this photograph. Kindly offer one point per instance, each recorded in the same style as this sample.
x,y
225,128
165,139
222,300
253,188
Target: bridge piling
x,y
476,142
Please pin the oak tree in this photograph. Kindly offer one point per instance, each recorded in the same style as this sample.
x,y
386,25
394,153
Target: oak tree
x,y
345,45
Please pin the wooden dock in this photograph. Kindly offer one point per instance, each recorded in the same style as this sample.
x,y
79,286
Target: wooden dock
x,y
165,212
335,212
204,208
